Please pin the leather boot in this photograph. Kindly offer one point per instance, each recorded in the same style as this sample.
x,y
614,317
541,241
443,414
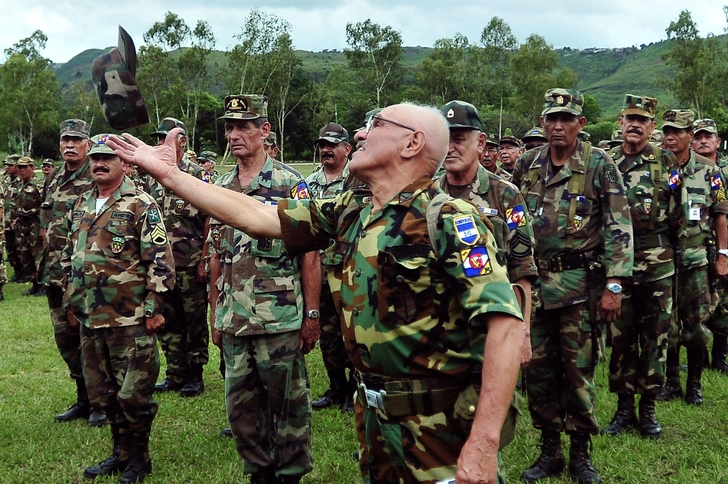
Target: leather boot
x,y
624,417
265,476
673,388
194,385
335,394
97,418
649,426
551,460
81,408
227,433
719,353
140,465
348,405
693,393
32,290
119,458
167,385
580,465
41,292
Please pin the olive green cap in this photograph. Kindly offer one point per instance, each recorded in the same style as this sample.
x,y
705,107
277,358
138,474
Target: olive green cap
x,y
583,135
271,139
512,140
657,136
11,160
48,162
98,145
705,124
25,161
560,100
535,133
167,125
460,114
207,156
678,118
333,133
492,140
245,106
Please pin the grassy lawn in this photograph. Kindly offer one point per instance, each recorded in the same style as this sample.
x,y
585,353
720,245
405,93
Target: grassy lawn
x,y
34,386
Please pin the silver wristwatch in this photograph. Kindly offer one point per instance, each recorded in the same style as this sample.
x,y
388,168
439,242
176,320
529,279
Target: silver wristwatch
x,y
313,313
614,288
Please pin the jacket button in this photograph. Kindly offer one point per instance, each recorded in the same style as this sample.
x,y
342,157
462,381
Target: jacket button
x,y
399,278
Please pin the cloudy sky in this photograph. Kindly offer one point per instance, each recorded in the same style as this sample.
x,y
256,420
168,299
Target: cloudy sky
x,y
73,26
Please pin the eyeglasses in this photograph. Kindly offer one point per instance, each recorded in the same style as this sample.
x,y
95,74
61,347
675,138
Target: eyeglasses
x,y
370,123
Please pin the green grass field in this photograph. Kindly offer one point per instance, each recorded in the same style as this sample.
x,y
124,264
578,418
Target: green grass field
x,y
34,386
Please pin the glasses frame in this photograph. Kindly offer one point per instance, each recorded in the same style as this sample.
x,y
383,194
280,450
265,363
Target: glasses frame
x,y
370,123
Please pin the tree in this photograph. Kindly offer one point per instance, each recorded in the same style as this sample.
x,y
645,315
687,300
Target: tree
x,y
499,44
592,111
376,53
443,74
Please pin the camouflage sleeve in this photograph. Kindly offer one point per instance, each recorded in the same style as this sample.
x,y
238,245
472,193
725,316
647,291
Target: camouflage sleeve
x,y
718,191
156,253
308,224
67,255
520,240
467,248
618,239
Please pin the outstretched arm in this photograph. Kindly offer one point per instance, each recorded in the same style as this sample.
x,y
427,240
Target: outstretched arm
x,y
232,208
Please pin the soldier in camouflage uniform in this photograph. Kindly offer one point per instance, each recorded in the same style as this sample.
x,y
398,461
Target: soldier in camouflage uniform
x,y
27,223
11,183
617,138
207,160
3,270
701,262
271,145
266,308
47,167
640,334
185,337
327,182
71,180
416,308
706,143
534,138
657,137
575,195
509,150
117,264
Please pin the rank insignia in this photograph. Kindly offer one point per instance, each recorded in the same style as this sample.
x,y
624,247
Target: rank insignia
x,y
577,224
159,235
117,244
179,205
300,191
466,229
153,215
476,261
674,179
515,217
647,205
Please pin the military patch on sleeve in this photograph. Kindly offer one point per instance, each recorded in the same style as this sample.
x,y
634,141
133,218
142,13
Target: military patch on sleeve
x,y
153,215
520,245
674,179
466,230
476,261
716,182
611,173
272,203
159,235
206,177
123,215
300,191
515,217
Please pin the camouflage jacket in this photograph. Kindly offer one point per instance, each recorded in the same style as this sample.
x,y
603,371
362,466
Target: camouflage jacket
x,y
259,290
29,201
706,197
410,307
60,193
601,224
503,204
320,189
653,259
10,187
185,224
117,263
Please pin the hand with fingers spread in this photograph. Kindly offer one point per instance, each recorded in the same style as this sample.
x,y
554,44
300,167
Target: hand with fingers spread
x,y
158,161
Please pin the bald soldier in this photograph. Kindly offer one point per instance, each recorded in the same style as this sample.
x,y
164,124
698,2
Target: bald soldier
x,y
407,299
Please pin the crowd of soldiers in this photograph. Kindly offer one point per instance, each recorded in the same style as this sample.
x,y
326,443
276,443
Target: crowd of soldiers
x,y
550,246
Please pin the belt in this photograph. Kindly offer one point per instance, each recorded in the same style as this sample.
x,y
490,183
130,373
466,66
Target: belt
x,y
563,263
397,398
694,241
651,241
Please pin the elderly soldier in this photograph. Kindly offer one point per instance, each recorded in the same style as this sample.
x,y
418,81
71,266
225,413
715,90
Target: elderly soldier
x,y
416,307
27,223
706,143
47,167
509,151
271,145
207,160
118,263
534,138
617,138
326,183
265,310
71,180
584,247
639,335
11,183
185,336
702,259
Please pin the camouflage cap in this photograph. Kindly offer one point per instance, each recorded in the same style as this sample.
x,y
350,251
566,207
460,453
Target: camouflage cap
x,y
511,140
207,156
167,125
271,140
492,140
11,160
536,133
25,161
48,162
113,75
705,124
678,118
460,114
603,144
191,153
560,100
245,106
333,133
583,135
98,145
617,138
639,105
657,136
75,127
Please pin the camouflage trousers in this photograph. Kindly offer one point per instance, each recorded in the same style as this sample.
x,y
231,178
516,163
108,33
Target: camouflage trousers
x,y
332,341
694,306
11,248
639,339
68,339
560,376
268,401
29,245
411,448
718,321
121,366
3,270
185,336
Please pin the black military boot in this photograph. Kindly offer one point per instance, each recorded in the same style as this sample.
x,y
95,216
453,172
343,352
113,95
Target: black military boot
x,y
289,479
167,385
347,406
693,393
580,465
719,353
265,476
32,290
673,388
41,292
97,418
649,426
551,460
140,465
119,458
624,418
81,408
335,394
227,433
194,385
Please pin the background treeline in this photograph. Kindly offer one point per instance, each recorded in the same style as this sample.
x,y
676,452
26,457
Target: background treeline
x,y
183,75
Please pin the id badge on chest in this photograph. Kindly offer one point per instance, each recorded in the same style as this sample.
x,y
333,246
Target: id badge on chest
x,y
695,213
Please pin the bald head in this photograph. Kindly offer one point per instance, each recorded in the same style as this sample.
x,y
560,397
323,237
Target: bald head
x,y
430,121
